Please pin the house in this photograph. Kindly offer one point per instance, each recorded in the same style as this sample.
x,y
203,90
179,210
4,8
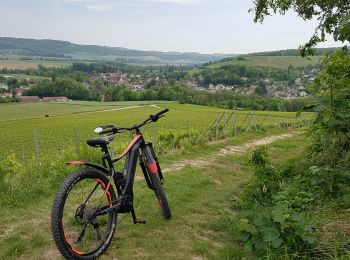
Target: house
x,y
26,87
87,85
251,89
55,99
4,86
267,81
191,83
29,99
303,94
113,78
298,82
283,94
19,91
211,87
137,86
312,78
6,95
220,87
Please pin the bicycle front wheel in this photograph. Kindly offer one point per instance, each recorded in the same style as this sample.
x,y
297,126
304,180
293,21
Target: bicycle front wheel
x,y
78,230
158,189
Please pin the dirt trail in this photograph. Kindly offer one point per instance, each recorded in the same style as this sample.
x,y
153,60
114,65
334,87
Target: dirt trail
x,y
119,108
202,162
123,108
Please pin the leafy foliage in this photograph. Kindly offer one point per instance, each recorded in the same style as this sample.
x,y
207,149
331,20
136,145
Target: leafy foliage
x,y
273,216
60,87
333,16
333,91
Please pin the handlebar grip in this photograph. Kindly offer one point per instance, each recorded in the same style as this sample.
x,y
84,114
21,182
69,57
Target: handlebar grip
x,y
105,132
108,131
161,112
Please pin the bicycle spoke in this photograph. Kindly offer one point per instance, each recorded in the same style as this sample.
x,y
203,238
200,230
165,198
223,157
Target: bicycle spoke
x,y
83,224
82,233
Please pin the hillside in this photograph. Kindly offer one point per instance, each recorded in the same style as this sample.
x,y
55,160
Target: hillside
x,y
63,50
281,62
280,59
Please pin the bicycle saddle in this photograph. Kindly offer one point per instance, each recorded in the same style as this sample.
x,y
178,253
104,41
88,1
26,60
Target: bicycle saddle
x,y
97,142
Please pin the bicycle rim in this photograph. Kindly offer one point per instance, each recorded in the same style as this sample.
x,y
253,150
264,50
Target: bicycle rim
x,y
84,232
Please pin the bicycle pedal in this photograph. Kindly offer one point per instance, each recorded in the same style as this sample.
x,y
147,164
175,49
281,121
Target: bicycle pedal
x,y
140,221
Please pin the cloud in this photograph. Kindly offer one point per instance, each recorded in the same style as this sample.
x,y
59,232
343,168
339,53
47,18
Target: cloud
x,y
99,7
105,5
78,1
182,2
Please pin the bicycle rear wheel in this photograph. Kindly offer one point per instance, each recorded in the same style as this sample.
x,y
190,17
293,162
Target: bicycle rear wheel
x,y
77,231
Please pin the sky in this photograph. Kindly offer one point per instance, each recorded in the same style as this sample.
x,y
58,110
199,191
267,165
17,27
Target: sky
x,y
205,26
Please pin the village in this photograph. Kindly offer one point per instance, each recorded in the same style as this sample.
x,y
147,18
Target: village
x,y
140,81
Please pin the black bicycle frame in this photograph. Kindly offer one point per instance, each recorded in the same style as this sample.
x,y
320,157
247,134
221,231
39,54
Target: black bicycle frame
x,y
138,149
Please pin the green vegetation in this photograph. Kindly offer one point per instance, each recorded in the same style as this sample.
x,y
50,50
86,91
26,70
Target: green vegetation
x,y
20,111
198,228
285,211
333,17
278,62
181,127
242,75
226,99
30,64
56,51
61,87
26,76
293,52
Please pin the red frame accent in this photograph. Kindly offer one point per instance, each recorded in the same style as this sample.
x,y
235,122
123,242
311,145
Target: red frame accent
x,y
76,162
152,167
130,145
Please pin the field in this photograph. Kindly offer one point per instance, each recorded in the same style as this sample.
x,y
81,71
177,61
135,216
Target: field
x,y
25,76
281,62
72,122
203,180
31,64
199,225
20,111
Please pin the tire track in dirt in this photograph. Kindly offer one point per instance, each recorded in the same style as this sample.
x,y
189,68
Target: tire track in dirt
x,y
203,162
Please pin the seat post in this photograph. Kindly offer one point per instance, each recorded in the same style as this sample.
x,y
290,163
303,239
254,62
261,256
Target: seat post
x,y
106,156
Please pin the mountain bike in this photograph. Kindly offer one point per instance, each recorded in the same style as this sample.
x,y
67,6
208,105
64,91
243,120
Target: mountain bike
x,y
85,209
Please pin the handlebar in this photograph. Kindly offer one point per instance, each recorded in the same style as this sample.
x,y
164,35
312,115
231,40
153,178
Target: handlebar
x,y
113,129
158,115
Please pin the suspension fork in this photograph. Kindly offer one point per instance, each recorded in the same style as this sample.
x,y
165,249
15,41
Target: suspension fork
x,y
149,164
160,174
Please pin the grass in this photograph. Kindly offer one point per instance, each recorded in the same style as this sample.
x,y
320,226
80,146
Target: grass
x,y
20,111
281,62
31,64
214,110
57,131
25,76
200,199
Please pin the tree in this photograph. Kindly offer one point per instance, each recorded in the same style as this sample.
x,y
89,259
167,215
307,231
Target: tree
x,y
333,17
332,89
61,87
13,83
